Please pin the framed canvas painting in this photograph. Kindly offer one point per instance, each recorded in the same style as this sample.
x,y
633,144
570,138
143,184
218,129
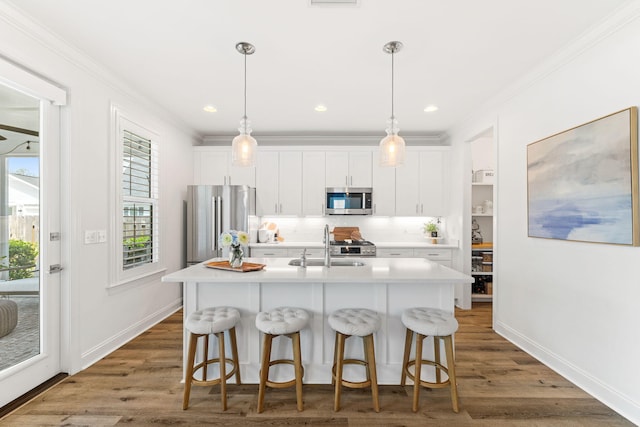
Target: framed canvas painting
x,y
582,184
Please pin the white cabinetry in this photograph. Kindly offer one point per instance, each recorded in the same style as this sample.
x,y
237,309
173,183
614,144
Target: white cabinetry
x,y
212,166
279,183
313,185
441,256
348,169
286,252
421,188
384,188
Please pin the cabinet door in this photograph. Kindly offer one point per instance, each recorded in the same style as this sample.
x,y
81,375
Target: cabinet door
x,y
384,188
313,186
337,169
441,256
241,175
210,167
408,186
433,183
290,183
267,183
394,253
268,252
360,169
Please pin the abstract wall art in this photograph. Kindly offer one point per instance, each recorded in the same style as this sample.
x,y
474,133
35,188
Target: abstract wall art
x,y
582,184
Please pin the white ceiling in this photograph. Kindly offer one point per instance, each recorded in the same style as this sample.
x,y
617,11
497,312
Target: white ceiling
x,y
457,54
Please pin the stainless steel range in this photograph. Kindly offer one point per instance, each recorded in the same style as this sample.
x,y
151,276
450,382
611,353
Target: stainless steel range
x,y
362,248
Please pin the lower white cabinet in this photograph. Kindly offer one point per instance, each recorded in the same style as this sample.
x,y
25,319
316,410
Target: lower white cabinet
x,y
394,253
286,252
441,256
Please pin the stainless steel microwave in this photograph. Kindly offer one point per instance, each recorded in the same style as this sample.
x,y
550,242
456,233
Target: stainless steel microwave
x,y
349,201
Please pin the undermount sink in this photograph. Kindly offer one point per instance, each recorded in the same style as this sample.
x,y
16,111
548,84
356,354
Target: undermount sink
x,y
319,262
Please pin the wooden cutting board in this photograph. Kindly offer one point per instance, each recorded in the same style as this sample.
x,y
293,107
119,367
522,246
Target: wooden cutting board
x,y
346,233
246,266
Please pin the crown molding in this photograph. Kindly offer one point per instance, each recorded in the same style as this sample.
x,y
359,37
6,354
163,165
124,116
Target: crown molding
x,y
330,140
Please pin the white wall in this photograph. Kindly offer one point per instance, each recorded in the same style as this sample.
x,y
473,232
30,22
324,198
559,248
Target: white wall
x,y
97,320
572,305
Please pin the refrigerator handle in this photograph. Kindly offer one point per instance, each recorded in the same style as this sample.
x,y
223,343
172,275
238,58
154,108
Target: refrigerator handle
x,y
217,229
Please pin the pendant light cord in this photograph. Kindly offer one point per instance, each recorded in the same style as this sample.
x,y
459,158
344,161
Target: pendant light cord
x,y
393,52
245,87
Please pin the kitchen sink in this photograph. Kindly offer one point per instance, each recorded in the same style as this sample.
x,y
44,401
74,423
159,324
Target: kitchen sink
x,y
315,262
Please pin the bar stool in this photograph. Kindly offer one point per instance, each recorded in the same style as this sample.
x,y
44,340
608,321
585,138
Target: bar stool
x,y
441,325
202,323
287,321
363,323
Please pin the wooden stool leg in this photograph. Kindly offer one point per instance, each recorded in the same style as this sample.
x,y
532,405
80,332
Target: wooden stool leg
x,y
223,370
451,367
335,357
405,358
371,370
417,370
297,361
234,353
436,353
205,357
264,370
193,343
339,357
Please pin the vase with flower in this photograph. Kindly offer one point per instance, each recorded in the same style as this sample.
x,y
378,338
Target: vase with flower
x,y
234,240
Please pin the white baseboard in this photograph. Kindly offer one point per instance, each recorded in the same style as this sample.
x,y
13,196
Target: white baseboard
x,y
108,346
606,394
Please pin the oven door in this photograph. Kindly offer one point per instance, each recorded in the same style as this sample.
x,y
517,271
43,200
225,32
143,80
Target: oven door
x,y
348,201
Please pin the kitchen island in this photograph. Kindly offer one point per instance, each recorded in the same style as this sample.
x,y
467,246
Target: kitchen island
x,y
386,285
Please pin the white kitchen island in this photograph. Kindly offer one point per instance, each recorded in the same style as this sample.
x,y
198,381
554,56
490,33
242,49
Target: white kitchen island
x,y
386,285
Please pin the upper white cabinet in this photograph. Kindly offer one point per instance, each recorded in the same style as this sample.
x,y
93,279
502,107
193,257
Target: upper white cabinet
x,y
348,169
212,165
313,182
384,188
421,188
279,183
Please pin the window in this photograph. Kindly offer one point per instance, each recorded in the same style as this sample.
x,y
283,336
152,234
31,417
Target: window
x,y
136,231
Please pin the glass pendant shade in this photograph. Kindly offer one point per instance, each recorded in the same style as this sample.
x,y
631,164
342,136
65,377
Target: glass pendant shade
x,y
392,146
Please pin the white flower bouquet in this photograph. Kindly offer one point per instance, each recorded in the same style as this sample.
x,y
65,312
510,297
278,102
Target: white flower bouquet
x,y
234,240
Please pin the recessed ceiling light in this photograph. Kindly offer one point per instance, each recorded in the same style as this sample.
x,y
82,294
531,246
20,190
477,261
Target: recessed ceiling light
x,y
210,109
320,108
430,108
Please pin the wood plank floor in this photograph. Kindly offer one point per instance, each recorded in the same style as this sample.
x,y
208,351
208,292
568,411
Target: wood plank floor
x,y
139,384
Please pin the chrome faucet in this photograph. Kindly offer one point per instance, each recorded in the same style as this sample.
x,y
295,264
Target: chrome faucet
x,y
303,259
327,241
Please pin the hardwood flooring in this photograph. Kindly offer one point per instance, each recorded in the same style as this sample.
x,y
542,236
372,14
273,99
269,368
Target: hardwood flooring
x,y
139,385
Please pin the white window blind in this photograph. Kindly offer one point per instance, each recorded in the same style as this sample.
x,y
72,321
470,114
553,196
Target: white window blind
x,y
139,200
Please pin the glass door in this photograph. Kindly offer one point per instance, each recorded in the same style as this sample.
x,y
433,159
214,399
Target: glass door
x,y
29,206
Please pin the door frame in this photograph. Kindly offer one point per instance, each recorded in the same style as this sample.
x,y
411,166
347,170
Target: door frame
x,y
25,376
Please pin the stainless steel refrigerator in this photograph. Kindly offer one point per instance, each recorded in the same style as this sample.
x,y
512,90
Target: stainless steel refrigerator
x,y
212,209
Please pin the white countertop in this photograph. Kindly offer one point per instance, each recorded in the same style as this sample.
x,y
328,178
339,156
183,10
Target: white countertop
x,y
375,270
383,245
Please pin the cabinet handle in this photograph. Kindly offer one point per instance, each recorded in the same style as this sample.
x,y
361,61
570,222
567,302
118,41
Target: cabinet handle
x,y
346,180
224,180
351,183
421,208
280,208
395,254
417,207
275,208
374,207
229,179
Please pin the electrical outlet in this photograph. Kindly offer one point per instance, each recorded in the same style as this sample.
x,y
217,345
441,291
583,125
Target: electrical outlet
x,y
90,237
102,236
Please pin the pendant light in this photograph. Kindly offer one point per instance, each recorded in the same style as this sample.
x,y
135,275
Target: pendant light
x,y
244,146
392,146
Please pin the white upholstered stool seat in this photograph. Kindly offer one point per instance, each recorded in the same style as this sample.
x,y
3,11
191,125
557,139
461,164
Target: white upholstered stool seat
x,y
282,320
287,321
202,323
363,323
441,325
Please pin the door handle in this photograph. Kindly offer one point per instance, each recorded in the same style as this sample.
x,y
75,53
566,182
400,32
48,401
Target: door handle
x,y
55,268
